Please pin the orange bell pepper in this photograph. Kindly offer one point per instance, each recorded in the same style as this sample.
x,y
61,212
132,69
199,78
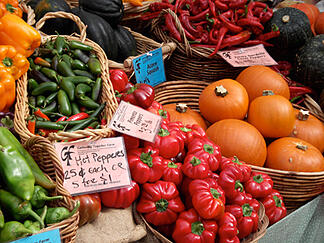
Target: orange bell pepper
x,y
16,32
7,90
136,3
13,62
10,6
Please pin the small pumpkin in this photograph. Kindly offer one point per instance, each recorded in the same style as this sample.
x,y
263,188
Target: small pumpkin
x,y
223,99
257,78
319,24
237,137
294,154
310,10
309,128
273,115
183,113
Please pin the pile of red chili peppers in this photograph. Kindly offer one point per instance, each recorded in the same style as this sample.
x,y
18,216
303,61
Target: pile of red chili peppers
x,y
218,23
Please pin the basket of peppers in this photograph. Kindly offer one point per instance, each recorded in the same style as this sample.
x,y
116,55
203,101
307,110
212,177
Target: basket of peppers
x,y
32,201
67,93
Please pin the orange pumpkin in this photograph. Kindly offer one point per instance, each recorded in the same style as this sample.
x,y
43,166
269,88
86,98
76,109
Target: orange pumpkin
x,y
294,154
223,99
237,137
309,128
273,115
319,25
310,10
257,78
183,113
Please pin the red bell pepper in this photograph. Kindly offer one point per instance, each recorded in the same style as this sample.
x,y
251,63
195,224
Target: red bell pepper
x,y
234,161
160,203
130,142
247,219
274,207
243,198
230,180
193,131
213,175
168,142
228,229
157,108
176,126
180,157
122,197
118,79
195,168
259,185
208,198
166,229
145,165
172,172
191,228
140,94
90,207
205,149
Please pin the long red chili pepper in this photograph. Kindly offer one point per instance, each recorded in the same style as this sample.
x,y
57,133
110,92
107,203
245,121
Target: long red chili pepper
x,y
266,16
200,16
256,42
188,35
79,116
250,22
254,4
230,26
62,118
31,125
203,4
299,90
148,15
212,33
269,35
173,31
237,4
44,132
212,8
42,62
39,113
184,19
221,33
158,6
221,5
236,39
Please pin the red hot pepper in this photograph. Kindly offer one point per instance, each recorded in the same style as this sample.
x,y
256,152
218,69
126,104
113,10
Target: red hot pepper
x,y
259,185
145,165
140,94
62,118
158,6
172,172
274,207
274,33
40,114
236,39
247,219
228,229
195,168
31,126
222,32
160,203
220,5
184,19
200,16
234,161
79,116
228,24
237,4
203,148
192,228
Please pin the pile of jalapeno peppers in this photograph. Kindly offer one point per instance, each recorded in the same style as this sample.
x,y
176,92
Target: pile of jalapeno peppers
x,y
24,192
64,86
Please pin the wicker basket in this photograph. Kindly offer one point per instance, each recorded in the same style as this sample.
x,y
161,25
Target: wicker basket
x,y
192,62
45,156
296,187
107,94
252,238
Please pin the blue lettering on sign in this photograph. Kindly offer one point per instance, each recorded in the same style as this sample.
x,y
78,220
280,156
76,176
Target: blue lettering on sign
x,y
149,68
51,236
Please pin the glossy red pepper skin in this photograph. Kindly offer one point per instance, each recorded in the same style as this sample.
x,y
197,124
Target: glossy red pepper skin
x,y
274,207
234,161
170,25
145,165
208,198
243,198
160,203
247,219
259,185
157,108
140,94
172,172
207,150
79,116
122,197
180,157
118,79
195,168
90,207
192,228
130,142
228,229
231,179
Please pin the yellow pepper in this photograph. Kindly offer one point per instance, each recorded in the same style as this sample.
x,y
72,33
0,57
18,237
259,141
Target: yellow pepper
x,y
14,63
10,6
7,90
16,32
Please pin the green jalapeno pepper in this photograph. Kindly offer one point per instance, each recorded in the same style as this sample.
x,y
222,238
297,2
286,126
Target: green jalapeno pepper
x,y
82,125
77,64
79,80
75,108
13,230
80,45
49,125
64,69
59,44
94,65
55,61
44,88
32,84
50,73
69,88
98,110
81,90
96,89
67,59
1,219
40,100
81,55
64,103
49,99
83,73
87,102
40,196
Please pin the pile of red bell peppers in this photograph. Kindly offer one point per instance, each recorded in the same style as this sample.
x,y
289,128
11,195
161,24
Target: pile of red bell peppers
x,y
185,187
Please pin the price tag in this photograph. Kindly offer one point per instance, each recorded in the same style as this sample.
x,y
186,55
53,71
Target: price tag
x,y
50,236
135,121
249,56
91,166
149,68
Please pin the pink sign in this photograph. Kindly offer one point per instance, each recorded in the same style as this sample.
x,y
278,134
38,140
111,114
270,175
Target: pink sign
x,y
91,166
249,56
135,121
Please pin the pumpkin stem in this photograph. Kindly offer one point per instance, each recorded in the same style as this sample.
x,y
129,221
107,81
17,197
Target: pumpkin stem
x,y
303,115
285,18
267,92
182,108
301,146
220,91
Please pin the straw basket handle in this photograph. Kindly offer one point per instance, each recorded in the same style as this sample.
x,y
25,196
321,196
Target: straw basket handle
x,y
60,14
30,13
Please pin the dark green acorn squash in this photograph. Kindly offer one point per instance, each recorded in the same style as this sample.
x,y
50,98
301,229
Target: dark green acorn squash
x,y
110,10
126,43
51,26
99,31
310,63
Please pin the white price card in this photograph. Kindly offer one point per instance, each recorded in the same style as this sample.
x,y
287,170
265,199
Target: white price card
x,y
135,121
92,166
249,56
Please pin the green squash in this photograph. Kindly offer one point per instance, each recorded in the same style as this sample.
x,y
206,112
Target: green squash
x,y
126,43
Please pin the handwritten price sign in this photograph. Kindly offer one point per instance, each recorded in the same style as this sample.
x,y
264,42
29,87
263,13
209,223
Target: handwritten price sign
x,y
94,166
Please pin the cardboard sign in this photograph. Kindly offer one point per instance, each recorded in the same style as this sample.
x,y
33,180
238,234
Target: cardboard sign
x,y
249,56
50,236
135,121
149,68
91,166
